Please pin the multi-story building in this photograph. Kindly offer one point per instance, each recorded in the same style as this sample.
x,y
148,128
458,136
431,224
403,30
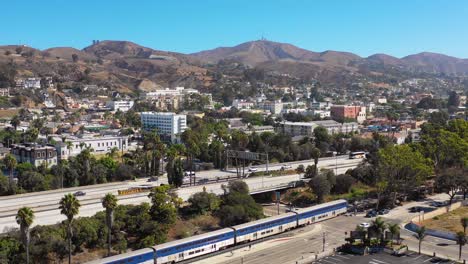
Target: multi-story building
x,y
295,129
242,104
122,105
321,113
168,125
307,128
342,112
98,145
275,107
334,127
5,92
28,83
170,99
35,154
320,105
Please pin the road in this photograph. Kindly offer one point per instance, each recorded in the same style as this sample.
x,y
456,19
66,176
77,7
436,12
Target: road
x,y
45,204
305,242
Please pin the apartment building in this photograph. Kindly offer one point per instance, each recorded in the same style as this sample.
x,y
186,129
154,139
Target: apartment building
x,y
341,112
168,125
122,105
35,154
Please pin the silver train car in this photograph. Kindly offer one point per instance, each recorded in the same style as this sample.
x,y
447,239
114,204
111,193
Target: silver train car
x,y
191,247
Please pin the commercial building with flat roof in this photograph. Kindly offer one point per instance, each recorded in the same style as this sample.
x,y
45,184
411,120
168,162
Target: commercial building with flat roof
x,y
168,125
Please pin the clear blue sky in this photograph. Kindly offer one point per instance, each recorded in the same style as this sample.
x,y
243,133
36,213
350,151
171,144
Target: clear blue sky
x,y
364,27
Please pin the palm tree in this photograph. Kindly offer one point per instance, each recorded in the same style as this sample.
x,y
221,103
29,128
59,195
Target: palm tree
x,y
379,225
394,230
10,162
315,153
69,147
110,203
25,218
461,241
464,223
69,206
420,235
15,121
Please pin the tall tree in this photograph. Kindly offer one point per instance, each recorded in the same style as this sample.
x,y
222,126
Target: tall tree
x,y
70,207
25,218
379,226
320,186
394,230
109,202
450,181
464,223
402,168
315,153
15,121
10,162
420,235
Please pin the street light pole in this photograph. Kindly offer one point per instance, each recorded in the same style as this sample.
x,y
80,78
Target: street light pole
x,y
336,164
323,245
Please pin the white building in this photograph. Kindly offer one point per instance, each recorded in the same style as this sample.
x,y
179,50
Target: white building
x,y
321,113
99,145
28,83
5,92
168,125
122,105
242,104
275,107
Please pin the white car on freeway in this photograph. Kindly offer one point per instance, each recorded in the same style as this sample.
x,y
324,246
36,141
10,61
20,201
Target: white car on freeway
x,y
253,169
285,167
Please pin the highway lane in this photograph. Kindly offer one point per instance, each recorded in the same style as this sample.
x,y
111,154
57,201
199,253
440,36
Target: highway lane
x,y
38,199
45,204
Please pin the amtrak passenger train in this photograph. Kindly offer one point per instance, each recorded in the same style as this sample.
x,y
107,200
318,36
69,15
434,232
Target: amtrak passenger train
x,y
191,247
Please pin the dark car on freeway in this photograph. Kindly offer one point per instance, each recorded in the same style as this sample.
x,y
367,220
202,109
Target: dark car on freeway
x,y
79,193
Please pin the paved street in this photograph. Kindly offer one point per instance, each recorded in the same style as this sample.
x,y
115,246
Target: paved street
x,y
305,242
381,258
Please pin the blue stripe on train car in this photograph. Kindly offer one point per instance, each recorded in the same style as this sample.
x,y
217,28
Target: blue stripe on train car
x,y
322,210
255,228
193,244
134,259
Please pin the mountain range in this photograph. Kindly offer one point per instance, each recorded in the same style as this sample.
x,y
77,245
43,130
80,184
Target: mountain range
x,y
127,66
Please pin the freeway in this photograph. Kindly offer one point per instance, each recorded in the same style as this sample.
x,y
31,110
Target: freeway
x,y
45,204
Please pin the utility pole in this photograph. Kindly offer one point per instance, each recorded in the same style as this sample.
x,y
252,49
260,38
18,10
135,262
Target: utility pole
x,y
323,245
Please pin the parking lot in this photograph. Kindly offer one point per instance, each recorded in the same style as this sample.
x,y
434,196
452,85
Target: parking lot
x,y
382,258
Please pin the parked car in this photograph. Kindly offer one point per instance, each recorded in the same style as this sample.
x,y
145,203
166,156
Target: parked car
x,y
384,212
439,204
79,193
371,213
204,180
189,173
415,209
364,225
